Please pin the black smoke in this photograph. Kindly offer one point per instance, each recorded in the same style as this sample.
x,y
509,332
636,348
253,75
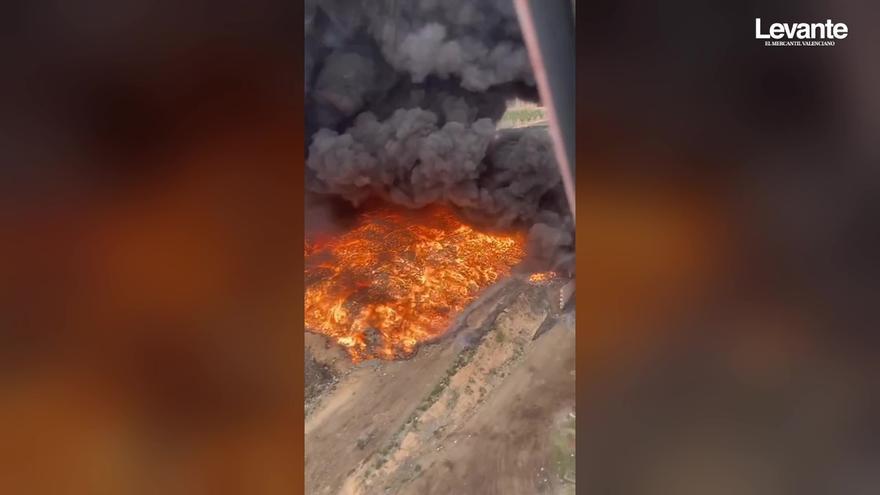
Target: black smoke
x,y
402,100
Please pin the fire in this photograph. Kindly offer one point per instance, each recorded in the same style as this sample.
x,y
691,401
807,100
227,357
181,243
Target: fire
x,y
398,279
541,278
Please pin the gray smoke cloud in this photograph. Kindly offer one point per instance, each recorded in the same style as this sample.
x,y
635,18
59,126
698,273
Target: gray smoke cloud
x,y
401,104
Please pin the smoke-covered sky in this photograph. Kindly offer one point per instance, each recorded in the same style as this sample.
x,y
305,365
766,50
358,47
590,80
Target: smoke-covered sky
x,y
401,104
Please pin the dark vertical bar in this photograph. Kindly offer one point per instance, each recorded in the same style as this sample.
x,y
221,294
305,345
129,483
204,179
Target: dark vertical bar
x,y
549,32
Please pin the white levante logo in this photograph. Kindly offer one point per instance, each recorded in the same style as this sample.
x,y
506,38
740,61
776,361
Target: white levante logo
x,y
801,33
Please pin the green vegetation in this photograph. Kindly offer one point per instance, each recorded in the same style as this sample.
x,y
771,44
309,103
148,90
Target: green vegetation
x,y
517,116
453,399
463,358
563,450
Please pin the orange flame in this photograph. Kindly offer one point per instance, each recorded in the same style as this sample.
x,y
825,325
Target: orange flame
x,y
542,278
398,279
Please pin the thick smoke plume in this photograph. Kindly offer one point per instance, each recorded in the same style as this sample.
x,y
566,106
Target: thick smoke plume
x,y
402,99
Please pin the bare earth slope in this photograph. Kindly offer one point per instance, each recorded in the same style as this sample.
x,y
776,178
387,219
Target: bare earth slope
x,y
488,409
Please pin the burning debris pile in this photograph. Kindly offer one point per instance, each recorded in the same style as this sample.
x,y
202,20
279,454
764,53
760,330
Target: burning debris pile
x,y
541,278
399,277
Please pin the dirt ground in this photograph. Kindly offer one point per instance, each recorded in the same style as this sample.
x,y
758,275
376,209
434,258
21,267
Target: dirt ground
x,y
488,409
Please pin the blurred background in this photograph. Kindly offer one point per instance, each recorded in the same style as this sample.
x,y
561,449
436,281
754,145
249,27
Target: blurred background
x,y
727,220
150,218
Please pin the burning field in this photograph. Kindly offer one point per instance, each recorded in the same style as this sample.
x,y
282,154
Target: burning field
x,y
400,277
